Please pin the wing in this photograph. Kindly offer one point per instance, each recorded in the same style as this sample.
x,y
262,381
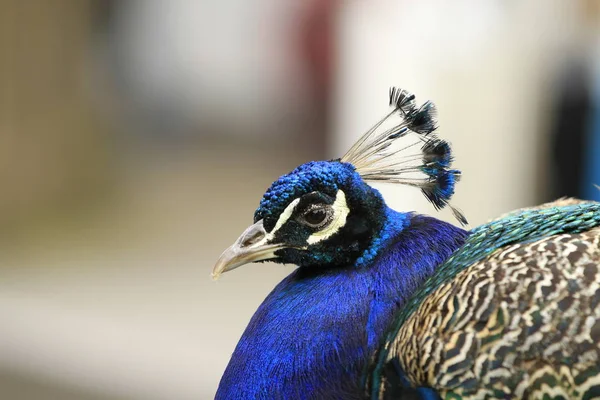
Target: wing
x,y
523,322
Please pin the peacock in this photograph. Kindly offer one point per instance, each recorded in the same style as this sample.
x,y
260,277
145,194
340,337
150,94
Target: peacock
x,y
398,305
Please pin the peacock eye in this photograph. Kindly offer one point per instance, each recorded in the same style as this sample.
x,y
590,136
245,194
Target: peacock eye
x,y
317,216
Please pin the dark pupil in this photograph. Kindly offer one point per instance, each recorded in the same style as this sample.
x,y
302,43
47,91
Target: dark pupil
x,y
315,217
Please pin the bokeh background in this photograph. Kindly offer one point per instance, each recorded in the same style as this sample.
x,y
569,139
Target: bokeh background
x,y
137,137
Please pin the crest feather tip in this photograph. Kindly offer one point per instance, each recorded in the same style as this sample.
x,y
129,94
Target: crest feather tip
x,y
422,160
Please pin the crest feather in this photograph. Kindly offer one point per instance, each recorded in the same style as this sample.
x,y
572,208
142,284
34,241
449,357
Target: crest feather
x,y
408,151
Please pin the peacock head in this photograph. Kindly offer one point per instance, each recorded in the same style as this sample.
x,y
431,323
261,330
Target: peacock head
x,y
324,214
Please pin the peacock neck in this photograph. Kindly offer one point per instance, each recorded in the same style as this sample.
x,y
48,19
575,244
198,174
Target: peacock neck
x,y
315,332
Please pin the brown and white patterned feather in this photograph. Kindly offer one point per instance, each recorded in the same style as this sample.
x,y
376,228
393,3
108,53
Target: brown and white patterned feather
x,y
524,323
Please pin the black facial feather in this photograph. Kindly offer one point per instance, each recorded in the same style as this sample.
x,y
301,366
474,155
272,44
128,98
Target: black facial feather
x,y
365,219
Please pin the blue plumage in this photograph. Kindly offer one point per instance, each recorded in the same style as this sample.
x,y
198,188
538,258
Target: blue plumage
x,y
422,120
312,176
442,186
437,153
288,185
359,261
400,305
313,335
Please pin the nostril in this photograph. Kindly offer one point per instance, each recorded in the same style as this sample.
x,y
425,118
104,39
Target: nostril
x,y
252,238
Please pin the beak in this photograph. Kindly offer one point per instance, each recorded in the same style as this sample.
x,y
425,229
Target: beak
x,y
249,247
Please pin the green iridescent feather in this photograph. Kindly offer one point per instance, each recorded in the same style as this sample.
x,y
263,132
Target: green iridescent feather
x,y
521,227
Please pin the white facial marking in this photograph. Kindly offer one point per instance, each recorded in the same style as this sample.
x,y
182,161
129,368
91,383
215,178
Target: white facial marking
x,y
340,213
285,215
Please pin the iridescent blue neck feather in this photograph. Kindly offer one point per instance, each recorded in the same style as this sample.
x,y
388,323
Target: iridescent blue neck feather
x,y
314,333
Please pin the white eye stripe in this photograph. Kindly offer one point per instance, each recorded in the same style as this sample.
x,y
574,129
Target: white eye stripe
x,y
340,213
284,216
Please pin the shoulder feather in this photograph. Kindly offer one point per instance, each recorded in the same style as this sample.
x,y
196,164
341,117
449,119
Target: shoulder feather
x,y
518,234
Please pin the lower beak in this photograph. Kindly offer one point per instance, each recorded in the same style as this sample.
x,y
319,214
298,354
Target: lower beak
x,y
249,247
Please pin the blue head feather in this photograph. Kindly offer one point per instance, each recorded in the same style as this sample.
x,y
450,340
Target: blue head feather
x,y
316,331
423,120
314,334
325,176
442,187
437,153
372,153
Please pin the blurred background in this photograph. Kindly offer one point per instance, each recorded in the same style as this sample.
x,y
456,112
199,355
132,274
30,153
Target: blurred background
x,y
137,137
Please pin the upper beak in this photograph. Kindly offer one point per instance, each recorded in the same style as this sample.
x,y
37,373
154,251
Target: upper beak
x,y
249,247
